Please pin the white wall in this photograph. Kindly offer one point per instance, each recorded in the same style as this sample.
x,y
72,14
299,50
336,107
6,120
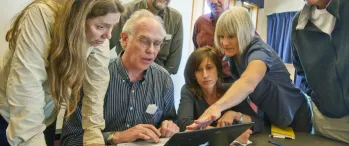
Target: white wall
x,y
275,6
185,8
8,9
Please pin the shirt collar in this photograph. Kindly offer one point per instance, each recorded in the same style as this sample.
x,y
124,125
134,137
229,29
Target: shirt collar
x,y
122,71
332,8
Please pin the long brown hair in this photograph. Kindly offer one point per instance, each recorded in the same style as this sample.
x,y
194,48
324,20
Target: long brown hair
x,y
68,48
193,64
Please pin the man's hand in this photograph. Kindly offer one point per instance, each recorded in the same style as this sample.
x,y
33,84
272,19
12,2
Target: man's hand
x,y
168,128
211,114
140,131
227,119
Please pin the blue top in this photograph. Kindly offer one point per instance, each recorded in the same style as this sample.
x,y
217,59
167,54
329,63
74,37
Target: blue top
x,y
276,95
125,103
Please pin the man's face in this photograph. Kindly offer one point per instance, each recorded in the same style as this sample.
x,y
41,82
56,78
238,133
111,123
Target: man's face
x,y
143,47
218,6
160,4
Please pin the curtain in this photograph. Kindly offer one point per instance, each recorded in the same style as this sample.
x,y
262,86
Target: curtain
x,y
279,38
279,34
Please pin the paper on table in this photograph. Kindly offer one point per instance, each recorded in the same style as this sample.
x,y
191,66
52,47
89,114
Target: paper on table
x,y
161,143
248,142
146,143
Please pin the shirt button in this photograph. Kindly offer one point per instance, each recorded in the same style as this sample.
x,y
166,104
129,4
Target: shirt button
x,y
133,91
131,108
128,125
123,80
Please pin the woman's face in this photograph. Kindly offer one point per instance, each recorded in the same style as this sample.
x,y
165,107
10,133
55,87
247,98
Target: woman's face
x,y
230,44
206,74
99,29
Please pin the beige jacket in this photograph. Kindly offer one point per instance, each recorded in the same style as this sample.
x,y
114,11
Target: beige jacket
x,y
25,100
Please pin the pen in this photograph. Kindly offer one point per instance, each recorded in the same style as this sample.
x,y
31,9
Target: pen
x,y
274,143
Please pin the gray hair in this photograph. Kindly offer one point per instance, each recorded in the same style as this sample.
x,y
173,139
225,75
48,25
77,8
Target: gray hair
x,y
235,21
130,27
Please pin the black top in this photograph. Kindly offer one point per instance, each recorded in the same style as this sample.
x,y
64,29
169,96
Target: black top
x,y
191,108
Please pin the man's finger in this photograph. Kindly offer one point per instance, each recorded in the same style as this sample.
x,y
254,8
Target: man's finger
x,y
152,128
143,136
152,135
170,129
164,127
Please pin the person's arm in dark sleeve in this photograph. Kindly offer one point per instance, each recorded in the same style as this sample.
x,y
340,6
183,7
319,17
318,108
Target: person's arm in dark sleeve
x,y
175,53
299,70
115,38
186,109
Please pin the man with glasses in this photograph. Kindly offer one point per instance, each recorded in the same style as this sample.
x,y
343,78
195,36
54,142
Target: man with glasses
x,y
139,102
170,54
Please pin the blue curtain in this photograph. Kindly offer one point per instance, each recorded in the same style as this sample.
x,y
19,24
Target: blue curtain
x,y
279,37
279,34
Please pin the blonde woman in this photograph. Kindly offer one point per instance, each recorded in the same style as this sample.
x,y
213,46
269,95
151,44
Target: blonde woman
x,y
56,47
259,74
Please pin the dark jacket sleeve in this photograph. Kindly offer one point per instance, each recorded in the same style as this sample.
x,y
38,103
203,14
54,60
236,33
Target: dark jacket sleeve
x,y
299,70
115,38
186,108
175,54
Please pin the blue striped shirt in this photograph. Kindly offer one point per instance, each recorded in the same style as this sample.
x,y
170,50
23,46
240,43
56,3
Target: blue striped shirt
x,y
126,102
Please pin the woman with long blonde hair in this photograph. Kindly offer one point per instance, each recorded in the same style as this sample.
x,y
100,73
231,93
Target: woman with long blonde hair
x,y
56,47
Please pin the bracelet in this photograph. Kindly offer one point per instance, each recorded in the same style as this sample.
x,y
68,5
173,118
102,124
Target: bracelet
x,y
110,138
241,117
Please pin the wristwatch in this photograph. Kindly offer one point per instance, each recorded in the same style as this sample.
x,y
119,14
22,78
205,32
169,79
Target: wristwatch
x,y
241,117
110,138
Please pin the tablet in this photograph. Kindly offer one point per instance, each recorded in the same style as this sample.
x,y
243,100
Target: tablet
x,y
222,136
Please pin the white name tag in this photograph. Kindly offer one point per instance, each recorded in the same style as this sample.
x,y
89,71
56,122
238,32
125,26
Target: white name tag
x,y
168,37
151,109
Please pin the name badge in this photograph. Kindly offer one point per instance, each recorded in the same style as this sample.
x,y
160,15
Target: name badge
x,y
168,37
151,109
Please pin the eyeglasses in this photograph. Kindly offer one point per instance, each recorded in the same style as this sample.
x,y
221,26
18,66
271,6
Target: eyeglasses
x,y
146,42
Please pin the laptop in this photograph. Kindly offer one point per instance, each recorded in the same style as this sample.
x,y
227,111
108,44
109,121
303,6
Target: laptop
x,y
222,136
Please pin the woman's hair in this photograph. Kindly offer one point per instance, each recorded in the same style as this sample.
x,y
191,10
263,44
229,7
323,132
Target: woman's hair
x,y
193,64
235,22
68,48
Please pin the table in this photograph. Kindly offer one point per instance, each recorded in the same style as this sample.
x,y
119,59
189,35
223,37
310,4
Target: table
x,y
261,139
145,143
302,139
